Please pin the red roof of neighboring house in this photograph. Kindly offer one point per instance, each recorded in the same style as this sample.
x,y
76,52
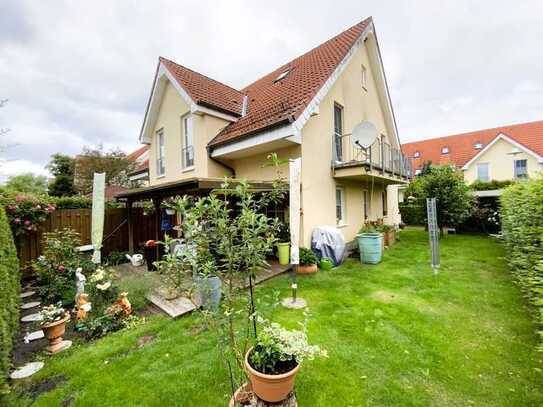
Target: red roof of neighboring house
x,y
273,102
462,146
206,91
112,190
136,155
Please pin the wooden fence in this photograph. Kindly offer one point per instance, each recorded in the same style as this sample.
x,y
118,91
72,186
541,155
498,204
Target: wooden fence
x,y
29,246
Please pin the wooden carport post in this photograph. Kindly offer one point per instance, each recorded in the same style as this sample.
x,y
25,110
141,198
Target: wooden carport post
x,y
129,219
157,201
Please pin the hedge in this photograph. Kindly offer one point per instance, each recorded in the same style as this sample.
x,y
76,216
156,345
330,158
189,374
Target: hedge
x,y
522,226
9,297
413,214
490,185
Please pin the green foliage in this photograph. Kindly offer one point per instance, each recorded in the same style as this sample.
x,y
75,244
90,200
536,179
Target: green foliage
x,y
55,268
62,167
27,184
115,258
454,200
115,164
307,257
490,185
9,296
173,269
25,212
522,225
412,213
72,202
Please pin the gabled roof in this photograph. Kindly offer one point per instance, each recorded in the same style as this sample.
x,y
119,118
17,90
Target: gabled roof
x,y
273,102
205,91
462,146
141,157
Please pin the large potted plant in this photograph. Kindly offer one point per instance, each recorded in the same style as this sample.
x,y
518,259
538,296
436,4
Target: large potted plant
x,y
308,261
273,362
53,324
370,244
283,244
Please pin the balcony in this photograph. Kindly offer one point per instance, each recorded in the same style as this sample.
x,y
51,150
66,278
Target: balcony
x,y
380,159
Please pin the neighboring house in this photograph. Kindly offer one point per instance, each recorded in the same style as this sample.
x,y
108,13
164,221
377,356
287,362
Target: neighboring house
x,y
199,130
501,153
140,176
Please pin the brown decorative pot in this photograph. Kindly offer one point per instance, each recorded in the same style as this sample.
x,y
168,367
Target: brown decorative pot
x,y
54,331
311,268
271,388
241,395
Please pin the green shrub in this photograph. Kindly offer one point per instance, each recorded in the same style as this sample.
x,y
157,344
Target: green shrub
x,y
522,225
307,257
490,185
412,213
9,296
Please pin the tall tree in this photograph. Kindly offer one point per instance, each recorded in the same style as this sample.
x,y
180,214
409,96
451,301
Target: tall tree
x,y
62,167
27,183
114,163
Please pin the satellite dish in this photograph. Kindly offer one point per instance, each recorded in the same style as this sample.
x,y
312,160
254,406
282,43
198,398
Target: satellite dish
x,y
364,134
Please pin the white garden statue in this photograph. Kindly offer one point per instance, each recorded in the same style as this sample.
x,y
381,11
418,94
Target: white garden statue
x,y
80,280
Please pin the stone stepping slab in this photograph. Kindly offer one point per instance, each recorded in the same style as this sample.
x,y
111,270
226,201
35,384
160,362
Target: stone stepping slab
x,y
32,318
27,370
27,294
29,305
33,336
174,308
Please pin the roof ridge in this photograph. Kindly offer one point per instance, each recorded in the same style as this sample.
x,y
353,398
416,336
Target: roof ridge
x,y
160,58
367,19
474,131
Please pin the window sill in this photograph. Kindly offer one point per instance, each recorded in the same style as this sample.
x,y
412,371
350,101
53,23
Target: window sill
x,y
342,225
188,169
160,176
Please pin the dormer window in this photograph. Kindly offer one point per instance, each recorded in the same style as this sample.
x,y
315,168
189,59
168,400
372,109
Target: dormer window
x,y
478,146
417,154
282,75
445,150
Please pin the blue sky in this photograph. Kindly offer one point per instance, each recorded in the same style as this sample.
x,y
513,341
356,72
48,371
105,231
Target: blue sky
x,y
79,73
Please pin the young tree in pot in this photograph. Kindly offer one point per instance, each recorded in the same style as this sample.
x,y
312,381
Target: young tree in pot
x,y
273,362
308,261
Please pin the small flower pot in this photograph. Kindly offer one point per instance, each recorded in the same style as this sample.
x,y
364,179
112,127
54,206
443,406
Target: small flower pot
x,y
241,395
283,253
53,332
270,388
307,269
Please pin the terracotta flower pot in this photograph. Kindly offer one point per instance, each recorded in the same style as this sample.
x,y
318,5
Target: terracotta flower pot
x,y
271,388
54,331
307,269
241,395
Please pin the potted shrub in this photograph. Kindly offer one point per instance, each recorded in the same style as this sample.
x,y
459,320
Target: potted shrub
x,y
54,319
169,205
283,244
370,244
308,261
273,362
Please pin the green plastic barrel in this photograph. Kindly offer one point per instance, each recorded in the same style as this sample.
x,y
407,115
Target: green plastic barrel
x,y
371,247
283,253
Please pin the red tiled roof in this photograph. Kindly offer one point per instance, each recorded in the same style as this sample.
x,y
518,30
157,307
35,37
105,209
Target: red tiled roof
x,y
206,91
272,103
462,146
112,190
134,155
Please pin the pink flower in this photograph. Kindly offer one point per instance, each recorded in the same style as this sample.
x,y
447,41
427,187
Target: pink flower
x,y
17,221
20,198
61,268
27,222
11,207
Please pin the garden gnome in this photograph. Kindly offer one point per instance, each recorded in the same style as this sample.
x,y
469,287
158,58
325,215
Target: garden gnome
x,y
80,280
83,306
125,304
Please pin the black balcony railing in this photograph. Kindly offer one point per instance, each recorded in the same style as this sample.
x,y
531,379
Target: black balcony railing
x,y
380,156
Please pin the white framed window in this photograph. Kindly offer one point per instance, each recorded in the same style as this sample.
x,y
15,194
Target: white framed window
x,y
445,150
187,143
483,173
417,154
160,154
521,168
340,206
364,78
338,132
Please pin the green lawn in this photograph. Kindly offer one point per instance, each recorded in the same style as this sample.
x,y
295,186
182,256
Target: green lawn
x,y
396,334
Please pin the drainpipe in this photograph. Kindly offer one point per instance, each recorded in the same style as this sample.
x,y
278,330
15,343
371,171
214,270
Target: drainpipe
x,y
220,162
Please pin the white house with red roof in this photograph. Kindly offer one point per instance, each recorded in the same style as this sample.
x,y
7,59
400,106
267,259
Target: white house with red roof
x,y
501,153
199,130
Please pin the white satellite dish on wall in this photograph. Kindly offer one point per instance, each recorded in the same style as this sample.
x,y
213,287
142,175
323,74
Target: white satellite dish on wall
x,y
364,134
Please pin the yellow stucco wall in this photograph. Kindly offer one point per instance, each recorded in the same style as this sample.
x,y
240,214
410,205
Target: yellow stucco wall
x,y
252,168
501,163
318,185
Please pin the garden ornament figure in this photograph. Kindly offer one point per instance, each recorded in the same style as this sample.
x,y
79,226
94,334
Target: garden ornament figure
x,y
80,280
125,304
83,306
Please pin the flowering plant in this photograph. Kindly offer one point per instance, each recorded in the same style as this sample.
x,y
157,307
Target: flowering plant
x,y
101,289
150,244
25,212
52,313
279,350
